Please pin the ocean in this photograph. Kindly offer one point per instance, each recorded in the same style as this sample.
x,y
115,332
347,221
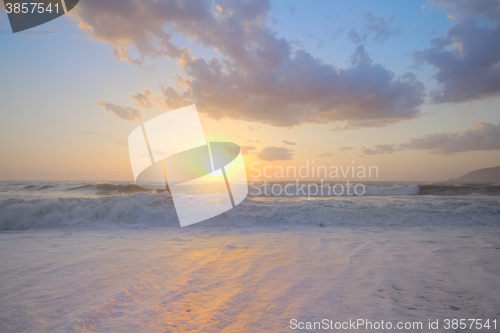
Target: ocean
x,y
28,205
112,257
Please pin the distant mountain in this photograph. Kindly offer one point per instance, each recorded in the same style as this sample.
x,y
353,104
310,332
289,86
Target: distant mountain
x,y
480,176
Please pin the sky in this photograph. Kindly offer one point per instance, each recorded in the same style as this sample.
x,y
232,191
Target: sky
x,y
412,87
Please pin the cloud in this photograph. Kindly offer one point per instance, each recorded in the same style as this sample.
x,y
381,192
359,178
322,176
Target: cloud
x,y
275,154
89,132
256,76
245,150
172,99
379,149
122,112
364,94
354,36
344,148
483,136
233,150
137,23
291,9
467,58
326,155
343,128
378,28
254,127
143,99
463,9
290,143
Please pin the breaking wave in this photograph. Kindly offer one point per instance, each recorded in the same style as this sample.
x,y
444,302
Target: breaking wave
x,y
151,209
83,189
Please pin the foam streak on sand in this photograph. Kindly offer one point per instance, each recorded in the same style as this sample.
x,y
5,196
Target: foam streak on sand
x,y
244,280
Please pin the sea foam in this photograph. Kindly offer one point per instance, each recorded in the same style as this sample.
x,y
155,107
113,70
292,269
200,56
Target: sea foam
x,y
152,209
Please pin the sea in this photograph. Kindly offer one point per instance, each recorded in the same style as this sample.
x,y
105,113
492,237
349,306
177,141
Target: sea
x,y
35,205
112,257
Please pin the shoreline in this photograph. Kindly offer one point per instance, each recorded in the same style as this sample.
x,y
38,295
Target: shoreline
x,y
226,279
